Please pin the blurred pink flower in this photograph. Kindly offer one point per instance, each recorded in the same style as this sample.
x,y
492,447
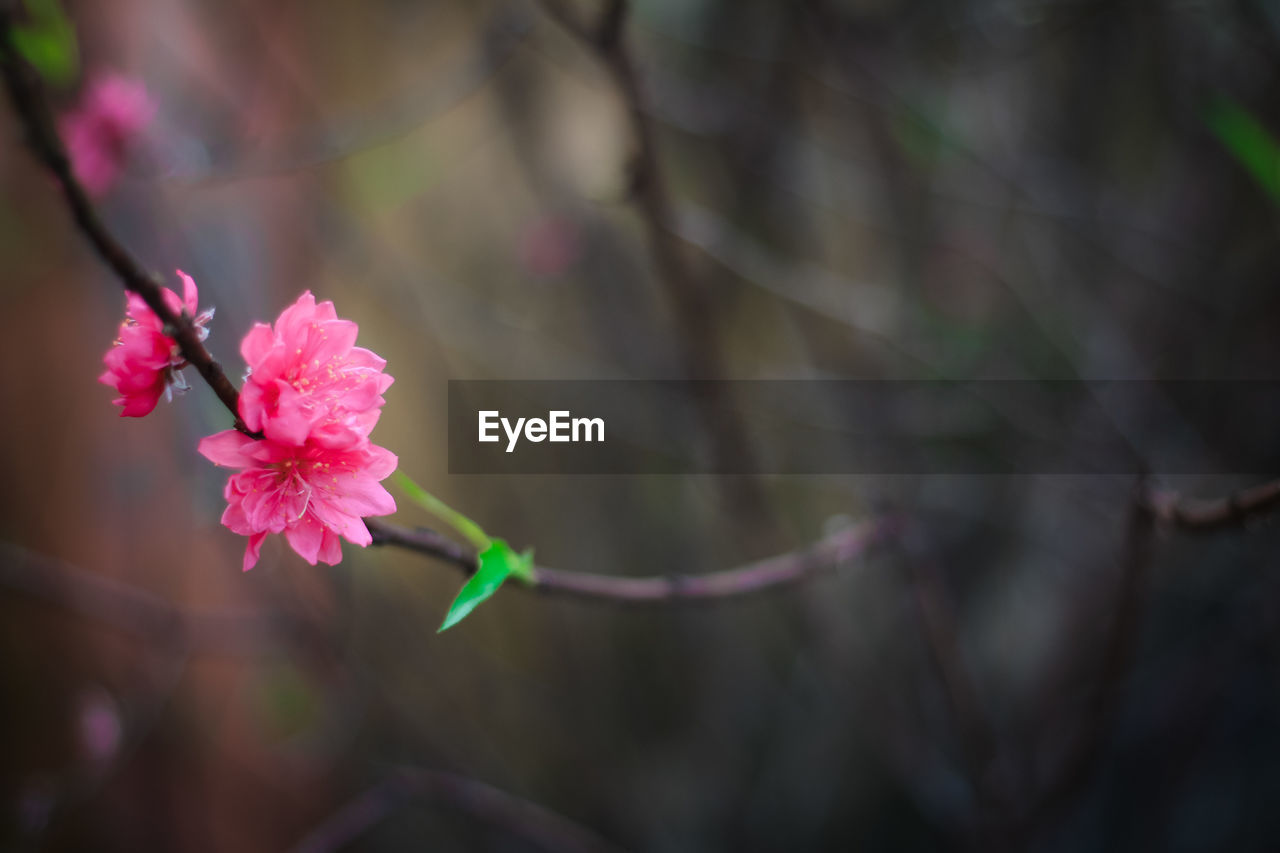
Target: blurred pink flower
x,y
101,729
99,132
145,363
550,246
308,382
311,493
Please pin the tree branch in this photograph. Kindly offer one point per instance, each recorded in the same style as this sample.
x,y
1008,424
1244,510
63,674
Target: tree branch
x,y
1172,509
521,818
699,337
822,556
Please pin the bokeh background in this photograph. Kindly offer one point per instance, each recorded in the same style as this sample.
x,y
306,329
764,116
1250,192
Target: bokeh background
x,y
868,188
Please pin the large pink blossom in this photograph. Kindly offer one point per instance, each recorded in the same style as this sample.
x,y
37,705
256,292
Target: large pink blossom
x,y
311,493
100,131
307,380
145,364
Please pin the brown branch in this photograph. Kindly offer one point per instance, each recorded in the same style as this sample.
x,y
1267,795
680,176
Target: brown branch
x,y
693,306
26,93
823,556
135,611
939,627
521,818
1087,752
1172,509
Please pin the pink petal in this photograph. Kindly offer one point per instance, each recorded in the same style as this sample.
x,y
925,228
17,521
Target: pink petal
x,y
330,549
256,344
252,550
381,463
357,496
141,404
228,448
305,537
190,296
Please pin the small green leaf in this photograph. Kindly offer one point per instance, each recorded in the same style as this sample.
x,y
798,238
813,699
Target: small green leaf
x,y
48,42
1251,144
494,565
432,504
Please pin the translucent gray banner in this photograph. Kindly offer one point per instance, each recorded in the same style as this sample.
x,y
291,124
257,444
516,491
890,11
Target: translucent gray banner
x,y
864,427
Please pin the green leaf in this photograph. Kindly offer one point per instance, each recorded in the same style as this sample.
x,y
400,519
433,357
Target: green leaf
x,y
1251,144
432,504
494,565
48,42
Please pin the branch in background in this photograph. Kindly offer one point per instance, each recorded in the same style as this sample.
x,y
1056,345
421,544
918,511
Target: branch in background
x,y
1086,753
940,630
521,818
25,91
134,610
1233,510
823,556
699,336
338,140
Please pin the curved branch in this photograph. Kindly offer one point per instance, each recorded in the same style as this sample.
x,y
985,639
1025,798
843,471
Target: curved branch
x,y
135,611
823,556
1235,509
522,818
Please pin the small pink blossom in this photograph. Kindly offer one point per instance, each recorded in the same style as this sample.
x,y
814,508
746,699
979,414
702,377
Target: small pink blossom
x,y
307,380
550,246
144,364
99,132
311,493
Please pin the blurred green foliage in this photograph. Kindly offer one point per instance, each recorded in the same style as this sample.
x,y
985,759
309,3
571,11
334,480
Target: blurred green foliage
x,y
1251,144
48,42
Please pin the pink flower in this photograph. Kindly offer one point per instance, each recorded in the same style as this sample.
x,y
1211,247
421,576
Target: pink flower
x,y
307,380
550,246
99,132
311,493
144,363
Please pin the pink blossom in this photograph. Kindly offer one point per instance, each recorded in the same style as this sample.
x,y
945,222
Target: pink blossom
x,y
311,493
144,363
307,380
550,246
99,132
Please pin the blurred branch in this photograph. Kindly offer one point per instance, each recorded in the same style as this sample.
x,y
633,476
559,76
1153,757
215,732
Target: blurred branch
x,y
317,146
1086,753
522,818
26,93
134,610
699,338
822,556
1235,509
939,627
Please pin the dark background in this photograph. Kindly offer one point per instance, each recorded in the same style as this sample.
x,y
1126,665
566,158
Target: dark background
x,y
861,189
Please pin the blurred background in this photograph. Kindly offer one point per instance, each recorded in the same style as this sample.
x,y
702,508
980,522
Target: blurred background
x,y
994,189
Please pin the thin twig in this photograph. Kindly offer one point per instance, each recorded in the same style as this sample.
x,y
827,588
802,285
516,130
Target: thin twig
x,y
1090,744
135,611
692,304
1233,510
939,627
823,556
521,818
